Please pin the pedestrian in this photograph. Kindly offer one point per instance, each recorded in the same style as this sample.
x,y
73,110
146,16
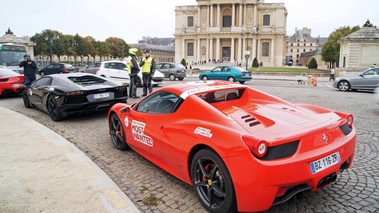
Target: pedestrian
x,y
332,74
148,68
133,70
30,69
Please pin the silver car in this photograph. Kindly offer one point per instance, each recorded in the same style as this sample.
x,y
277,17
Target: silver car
x,y
91,68
172,70
368,80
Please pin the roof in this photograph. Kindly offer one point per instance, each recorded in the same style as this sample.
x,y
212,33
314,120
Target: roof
x,y
365,33
155,48
157,41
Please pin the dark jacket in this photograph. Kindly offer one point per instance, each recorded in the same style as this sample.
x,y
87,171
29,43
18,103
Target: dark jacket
x,y
29,69
135,67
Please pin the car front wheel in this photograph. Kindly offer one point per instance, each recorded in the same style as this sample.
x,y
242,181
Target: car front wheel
x,y
231,79
117,132
52,108
212,182
343,86
180,79
205,78
242,82
25,98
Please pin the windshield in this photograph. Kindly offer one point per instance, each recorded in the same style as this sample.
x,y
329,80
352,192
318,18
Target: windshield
x,y
11,58
7,72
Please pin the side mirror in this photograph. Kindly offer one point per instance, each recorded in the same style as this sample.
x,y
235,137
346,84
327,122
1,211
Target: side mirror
x,y
126,110
361,75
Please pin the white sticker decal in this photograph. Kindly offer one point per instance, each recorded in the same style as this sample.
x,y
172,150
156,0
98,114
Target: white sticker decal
x,y
187,93
138,130
31,93
126,121
203,131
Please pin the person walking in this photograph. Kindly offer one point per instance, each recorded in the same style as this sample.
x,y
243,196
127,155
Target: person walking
x,y
133,70
30,69
148,68
332,74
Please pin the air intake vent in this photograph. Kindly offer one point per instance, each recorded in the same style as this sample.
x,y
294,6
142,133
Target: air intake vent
x,y
250,120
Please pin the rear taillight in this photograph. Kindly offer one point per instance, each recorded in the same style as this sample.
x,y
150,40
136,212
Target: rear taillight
x,y
349,118
257,146
74,93
122,88
64,69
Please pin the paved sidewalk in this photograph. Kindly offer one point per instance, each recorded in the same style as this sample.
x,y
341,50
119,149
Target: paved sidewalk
x,y
42,172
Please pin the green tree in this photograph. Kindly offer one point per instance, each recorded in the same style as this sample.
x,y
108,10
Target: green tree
x,y
103,49
41,48
80,47
255,62
312,64
117,46
91,45
184,63
70,51
331,49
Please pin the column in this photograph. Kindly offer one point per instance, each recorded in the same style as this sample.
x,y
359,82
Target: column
x,y
254,52
183,48
208,16
194,49
198,50
272,51
232,52
218,15
239,58
211,18
244,14
198,16
211,49
207,51
233,15
218,49
255,15
259,50
240,16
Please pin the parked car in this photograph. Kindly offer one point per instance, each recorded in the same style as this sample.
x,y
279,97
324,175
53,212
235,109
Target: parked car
x,y
376,92
10,82
172,70
227,73
241,149
365,81
116,70
56,68
91,68
64,95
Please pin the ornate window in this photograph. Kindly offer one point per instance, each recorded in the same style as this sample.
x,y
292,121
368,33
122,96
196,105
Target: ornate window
x,y
265,49
266,20
189,49
190,21
226,21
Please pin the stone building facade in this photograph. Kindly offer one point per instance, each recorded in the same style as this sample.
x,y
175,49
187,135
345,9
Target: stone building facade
x,y
360,49
225,30
10,37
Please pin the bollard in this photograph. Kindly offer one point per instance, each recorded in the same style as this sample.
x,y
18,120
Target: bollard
x,y
314,80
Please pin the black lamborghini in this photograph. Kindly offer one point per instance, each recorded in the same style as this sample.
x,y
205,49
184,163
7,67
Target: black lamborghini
x,y
62,95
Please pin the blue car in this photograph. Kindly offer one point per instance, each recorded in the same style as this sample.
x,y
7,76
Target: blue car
x,y
228,73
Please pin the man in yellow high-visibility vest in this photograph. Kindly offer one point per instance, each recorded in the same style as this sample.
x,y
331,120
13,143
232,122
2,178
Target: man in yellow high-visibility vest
x,y
148,67
133,70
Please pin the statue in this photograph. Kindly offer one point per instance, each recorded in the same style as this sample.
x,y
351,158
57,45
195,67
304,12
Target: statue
x,y
9,32
368,24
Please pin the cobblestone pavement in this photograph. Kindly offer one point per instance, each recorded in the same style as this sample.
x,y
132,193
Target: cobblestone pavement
x,y
154,190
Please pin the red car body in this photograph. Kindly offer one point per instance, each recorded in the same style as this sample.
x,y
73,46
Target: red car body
x,y
10,81
271,149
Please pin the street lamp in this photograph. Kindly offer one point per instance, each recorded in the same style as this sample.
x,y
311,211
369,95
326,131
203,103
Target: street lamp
x,y
51,38
247,33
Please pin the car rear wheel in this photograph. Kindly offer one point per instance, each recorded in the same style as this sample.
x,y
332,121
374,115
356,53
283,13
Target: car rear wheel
x,y
242,82
117,132
212,182
172,77
25,98
205,78
42,74
231,79
52,108
343,86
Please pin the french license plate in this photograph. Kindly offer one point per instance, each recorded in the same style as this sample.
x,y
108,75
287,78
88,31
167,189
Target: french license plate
x,y
101,95
326,162
247,75
17,85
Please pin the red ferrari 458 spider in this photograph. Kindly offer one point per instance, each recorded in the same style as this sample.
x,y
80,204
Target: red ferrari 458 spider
x,y
10,81
241,149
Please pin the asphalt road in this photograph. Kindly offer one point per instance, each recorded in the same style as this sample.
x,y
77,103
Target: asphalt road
x,y
154,190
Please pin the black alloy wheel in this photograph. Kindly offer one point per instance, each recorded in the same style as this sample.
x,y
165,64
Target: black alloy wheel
x,y
52,108
212,182
242,82
25,99
117,132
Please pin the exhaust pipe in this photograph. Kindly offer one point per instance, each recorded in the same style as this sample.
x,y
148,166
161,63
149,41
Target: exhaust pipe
x,y
327,180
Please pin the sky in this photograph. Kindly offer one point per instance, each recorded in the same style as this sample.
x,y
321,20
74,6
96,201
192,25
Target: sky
x,y
130,20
